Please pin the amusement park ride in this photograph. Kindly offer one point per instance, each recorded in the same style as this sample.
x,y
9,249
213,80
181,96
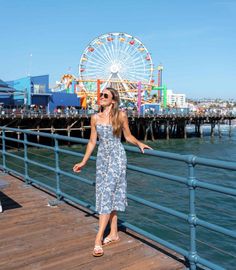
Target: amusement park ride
x,y
116,60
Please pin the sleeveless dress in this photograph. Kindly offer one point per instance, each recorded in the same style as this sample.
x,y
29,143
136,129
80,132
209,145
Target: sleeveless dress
x,y
110,172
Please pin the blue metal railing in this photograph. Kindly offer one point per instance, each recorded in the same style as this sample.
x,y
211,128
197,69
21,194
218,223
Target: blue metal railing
x,y
192,183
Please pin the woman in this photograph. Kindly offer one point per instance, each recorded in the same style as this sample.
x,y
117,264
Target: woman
x,y
110,166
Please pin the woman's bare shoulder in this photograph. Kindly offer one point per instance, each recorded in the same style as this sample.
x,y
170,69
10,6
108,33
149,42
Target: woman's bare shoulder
x,y
99,114
122,113
94,117
122,116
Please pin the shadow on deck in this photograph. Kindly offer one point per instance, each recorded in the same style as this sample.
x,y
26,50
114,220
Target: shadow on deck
x,y
36,236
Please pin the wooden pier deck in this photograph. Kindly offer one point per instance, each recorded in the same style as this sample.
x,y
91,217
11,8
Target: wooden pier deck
x,y
36,236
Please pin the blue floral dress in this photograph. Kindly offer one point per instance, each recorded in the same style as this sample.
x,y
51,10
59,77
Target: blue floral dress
x,y
110,172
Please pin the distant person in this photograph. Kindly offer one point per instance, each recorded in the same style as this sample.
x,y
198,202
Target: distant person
x,y
111,163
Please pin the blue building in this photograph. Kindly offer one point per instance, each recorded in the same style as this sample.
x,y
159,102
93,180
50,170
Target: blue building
x,y
63,100
29,88
34,90
150,108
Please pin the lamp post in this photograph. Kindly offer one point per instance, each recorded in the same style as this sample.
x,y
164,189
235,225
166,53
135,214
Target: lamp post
x,y
30,65
25,97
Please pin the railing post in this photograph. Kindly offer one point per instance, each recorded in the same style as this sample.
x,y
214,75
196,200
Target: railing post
x,y
4,151
27,182
58,188
192,214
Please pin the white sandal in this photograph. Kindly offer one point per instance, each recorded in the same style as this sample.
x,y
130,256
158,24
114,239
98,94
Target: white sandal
x,y
108,241
98,251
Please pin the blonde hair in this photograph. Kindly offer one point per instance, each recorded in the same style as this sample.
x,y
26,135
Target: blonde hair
x,y
115,113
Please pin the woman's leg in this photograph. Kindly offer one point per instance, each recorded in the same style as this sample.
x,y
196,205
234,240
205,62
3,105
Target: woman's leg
x,y
113,225
103,221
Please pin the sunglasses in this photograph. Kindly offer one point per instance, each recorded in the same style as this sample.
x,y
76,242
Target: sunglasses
x,y
104,95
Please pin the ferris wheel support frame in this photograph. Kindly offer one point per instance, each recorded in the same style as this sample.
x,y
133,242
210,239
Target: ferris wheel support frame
x,y
98,91
139,101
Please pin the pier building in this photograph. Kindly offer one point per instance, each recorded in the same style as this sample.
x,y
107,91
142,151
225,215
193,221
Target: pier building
x,y
34,91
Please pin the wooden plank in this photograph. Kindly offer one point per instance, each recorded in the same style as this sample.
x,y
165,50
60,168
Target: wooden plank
x,y
36,236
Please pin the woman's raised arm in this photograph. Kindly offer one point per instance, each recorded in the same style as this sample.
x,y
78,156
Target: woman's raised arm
x,y
128,136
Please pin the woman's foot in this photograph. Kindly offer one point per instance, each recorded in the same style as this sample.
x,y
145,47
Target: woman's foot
x,y
98,251
110,239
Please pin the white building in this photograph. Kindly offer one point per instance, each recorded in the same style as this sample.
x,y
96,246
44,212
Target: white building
x,y
176,100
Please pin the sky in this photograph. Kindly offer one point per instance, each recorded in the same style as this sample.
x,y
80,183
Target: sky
x,y
195,41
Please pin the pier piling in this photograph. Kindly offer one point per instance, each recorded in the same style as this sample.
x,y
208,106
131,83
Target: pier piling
x,y
230,128
219,129
212,129
167,130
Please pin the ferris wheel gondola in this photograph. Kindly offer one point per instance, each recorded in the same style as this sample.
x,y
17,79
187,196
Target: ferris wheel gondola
x,y
116,59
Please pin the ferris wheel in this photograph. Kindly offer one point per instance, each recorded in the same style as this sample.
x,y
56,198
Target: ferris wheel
x,y
117,59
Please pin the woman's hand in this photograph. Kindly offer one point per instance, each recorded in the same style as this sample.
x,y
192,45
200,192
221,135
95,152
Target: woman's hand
x,y
78,166
143,146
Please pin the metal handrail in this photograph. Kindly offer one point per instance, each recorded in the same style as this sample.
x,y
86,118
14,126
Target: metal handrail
x,y
191,255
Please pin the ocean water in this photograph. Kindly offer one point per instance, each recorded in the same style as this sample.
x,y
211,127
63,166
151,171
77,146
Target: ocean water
x,y
211,206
